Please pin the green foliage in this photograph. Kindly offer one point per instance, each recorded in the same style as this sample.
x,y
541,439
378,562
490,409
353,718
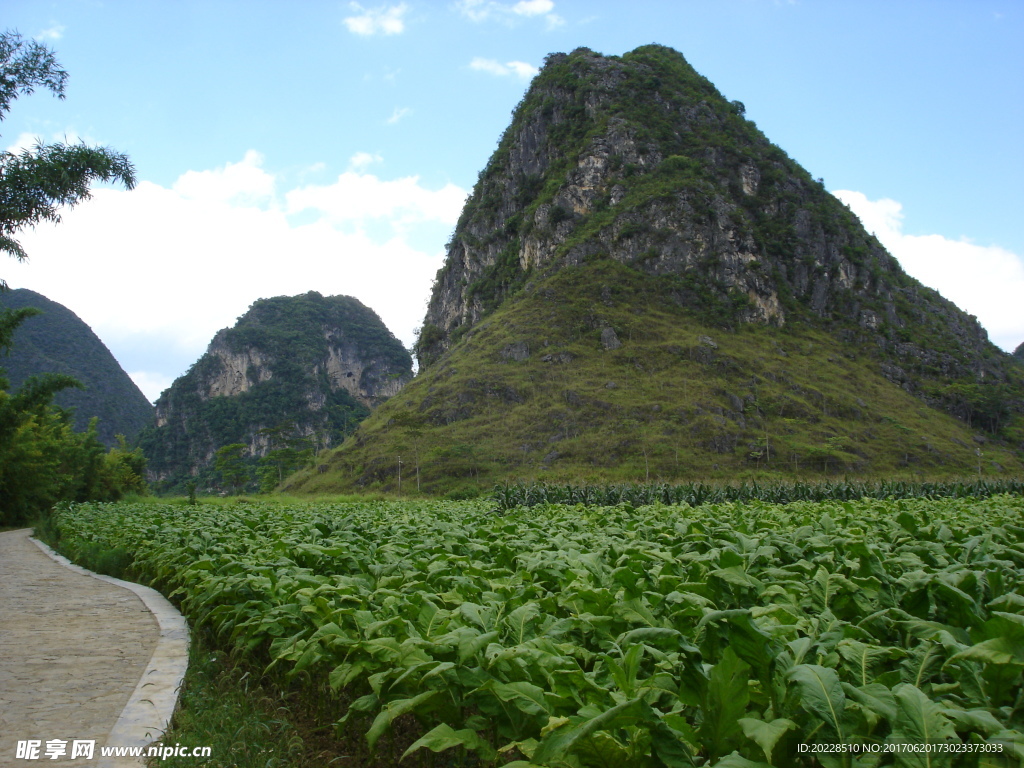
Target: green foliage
x,y
512,495
536,394
287,451
230,464
43,460
57,341
291,336
585,636
37,182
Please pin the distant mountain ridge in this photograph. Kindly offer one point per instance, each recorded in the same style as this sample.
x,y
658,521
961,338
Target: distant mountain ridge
x,y
643,286
303,368
58,341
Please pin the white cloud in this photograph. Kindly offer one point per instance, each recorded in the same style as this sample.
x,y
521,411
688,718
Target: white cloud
x,y
533,7
56,32
244,183
361,160
986,281
23,142
157,271
509,13
398,114
383,20
518,68
553,20
356,199
30,140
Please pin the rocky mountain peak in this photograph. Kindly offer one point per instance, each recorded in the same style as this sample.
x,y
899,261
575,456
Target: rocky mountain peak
x,y
643,287
640,159
316,364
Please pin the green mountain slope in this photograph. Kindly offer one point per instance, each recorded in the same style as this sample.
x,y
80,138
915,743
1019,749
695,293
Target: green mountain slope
x,y
57,341
295,372
542,389
629,211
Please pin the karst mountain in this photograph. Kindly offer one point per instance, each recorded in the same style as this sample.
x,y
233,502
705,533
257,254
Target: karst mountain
x,y
642,286
291,378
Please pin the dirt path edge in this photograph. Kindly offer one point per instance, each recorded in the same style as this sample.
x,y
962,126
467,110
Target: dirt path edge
x,y
147,714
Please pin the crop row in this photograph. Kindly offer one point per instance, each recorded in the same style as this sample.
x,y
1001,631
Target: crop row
x,y
511,495
727,635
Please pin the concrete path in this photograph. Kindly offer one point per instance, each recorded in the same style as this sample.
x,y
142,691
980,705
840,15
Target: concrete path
x,y
82,656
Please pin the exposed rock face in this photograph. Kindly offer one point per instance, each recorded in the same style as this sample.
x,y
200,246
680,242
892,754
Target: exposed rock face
x,y
366,380
316,364
643,287
640,159
235,368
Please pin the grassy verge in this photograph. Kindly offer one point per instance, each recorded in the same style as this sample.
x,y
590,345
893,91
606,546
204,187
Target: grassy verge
x,y
227,708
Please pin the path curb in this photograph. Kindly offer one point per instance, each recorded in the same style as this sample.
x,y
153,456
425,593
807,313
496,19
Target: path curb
x,y
147,714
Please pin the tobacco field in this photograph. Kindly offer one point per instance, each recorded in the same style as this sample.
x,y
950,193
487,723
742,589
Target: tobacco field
x,y
739,635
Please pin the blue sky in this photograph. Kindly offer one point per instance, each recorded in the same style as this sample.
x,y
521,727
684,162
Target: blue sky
x,y
288,147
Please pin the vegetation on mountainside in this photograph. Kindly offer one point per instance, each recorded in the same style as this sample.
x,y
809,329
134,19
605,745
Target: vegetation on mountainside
x,y
700,170
699,165
588,636
57,341
677,400
290,410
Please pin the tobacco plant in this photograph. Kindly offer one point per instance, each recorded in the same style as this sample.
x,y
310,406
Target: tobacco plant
x,y
732,635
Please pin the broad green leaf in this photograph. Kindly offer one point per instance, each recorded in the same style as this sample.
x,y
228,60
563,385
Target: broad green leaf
x,y
725,704
524,696
978,720
1011,743
863,658
473,612
559,742
471,645
625,674
919,721
737,576
736,760
876,697
669,745
392,710
343,674
601,748
821,694
765,735
520,618
652,635
445,737
998,650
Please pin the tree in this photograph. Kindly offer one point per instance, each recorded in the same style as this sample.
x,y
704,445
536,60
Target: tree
x,y
36,183
231,465
287,451
42,459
